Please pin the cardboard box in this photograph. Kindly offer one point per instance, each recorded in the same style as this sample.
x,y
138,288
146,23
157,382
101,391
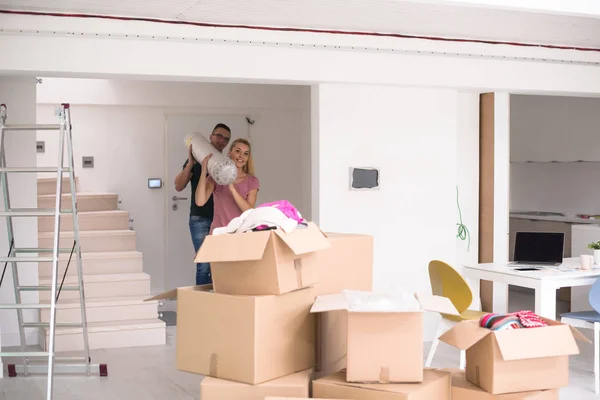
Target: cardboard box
x,y
435,386
248,339
517,360
465,390
346,265
294,385
384,334
262,263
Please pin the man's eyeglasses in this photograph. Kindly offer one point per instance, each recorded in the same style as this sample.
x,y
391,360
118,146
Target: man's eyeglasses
x,y
222,137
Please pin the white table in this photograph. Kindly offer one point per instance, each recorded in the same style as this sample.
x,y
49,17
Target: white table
x,y
545,282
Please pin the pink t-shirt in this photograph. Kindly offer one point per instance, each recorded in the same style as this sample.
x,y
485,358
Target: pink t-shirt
x,y
225,207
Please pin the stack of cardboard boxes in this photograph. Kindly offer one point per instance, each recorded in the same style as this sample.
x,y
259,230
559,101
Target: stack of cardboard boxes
x,y
384,353
251,333
253,336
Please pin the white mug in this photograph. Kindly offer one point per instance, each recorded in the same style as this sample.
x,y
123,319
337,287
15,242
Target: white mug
x,y
587,261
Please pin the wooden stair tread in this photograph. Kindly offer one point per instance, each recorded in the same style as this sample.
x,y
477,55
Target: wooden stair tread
x,y
82,234
80,195
96,213
101,278
105,255
114,326
103,302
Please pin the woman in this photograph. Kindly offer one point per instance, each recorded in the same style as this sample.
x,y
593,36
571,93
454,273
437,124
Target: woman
x,y
232,200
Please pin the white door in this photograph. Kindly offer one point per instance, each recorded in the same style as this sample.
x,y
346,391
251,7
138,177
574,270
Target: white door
x,y
180,269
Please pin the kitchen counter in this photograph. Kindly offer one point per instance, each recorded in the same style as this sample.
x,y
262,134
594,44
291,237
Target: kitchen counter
x,y
557,217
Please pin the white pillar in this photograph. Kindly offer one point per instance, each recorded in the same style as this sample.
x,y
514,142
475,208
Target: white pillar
x,y
19,95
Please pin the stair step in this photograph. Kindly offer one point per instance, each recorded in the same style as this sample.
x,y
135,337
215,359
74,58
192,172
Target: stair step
x,y
104,310
88,221
101,286
97,263
85,201
106,335
93,241
48,185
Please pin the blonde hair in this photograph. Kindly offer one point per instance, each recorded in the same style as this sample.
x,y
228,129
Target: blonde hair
x,y
249,167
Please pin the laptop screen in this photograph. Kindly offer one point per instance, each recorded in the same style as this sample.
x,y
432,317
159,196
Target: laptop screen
x,y
542,247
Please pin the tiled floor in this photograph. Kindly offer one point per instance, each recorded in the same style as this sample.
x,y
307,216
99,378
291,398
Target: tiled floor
x,y
149,373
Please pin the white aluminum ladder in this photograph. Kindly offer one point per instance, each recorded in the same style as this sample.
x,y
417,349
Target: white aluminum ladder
x,y
35,362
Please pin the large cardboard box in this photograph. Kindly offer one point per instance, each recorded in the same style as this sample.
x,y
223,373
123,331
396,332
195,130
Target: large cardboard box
x,y
264,262
346,265
435,386
384,333
465,390
294,385
248,339
517,360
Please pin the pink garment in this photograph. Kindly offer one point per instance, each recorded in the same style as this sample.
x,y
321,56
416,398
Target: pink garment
x,y
286,208
225,207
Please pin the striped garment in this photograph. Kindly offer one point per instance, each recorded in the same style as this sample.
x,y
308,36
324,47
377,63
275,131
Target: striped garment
x,y
516,320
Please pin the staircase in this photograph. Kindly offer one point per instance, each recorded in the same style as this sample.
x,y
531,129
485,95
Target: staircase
x,y
114,281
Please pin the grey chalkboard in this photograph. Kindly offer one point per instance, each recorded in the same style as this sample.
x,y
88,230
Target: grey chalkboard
x,y
364,178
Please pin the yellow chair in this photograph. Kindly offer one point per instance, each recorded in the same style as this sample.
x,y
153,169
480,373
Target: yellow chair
x,y
447,282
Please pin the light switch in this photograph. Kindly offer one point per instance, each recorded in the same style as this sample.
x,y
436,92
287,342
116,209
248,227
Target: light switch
x,y
87,162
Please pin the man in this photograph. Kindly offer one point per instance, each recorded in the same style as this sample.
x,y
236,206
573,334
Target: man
x,y
201,217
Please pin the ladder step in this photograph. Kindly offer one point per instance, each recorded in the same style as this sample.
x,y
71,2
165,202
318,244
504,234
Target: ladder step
x,y
56,359
25,259
33,212
47,325
100,369
40,127
33,169
24,354
45,288
23,306
39,250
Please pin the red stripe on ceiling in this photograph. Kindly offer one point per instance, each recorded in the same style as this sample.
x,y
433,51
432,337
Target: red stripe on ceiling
x,y
321,31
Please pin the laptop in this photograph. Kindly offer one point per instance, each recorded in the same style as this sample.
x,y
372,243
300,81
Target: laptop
x,y
536,250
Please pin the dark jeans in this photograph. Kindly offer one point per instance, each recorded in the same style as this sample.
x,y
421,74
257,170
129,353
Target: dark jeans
x,y
199,228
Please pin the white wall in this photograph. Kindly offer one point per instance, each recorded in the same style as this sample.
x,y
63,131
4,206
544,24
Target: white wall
x,y
122,124
412,136
546,129
19,96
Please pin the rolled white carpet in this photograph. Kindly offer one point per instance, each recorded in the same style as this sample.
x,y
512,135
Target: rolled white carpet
x,y
220,167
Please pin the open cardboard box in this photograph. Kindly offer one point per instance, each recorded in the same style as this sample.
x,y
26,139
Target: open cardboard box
x,y
384,334
248,339
346,265
294,385
263,262
465,390
435,386
517,360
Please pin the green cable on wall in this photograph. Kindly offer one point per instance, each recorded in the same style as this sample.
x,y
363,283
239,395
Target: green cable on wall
x,y
463,231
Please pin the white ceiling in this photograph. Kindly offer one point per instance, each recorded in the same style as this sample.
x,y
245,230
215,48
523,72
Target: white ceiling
x,y
404,17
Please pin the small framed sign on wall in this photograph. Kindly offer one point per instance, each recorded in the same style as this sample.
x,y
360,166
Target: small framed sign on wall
x,y
366,178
